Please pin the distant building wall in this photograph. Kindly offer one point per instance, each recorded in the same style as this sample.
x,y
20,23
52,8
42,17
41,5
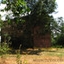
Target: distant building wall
x,y
41,40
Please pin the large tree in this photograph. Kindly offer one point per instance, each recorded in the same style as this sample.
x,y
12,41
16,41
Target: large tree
x,y
41,13
38,11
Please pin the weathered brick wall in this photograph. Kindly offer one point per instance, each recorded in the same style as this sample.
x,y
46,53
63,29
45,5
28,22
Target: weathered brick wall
x,y
41,40
8,29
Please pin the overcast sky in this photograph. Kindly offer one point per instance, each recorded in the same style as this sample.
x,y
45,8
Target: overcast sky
x,y
60,9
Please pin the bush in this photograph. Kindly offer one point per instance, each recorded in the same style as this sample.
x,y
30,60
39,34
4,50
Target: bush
x,y
4,48
60,40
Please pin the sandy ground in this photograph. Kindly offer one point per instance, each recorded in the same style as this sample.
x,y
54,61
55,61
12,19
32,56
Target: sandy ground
x,y
41,58
33,59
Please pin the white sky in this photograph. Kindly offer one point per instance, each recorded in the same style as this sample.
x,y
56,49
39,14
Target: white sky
x,y
3,14
60,9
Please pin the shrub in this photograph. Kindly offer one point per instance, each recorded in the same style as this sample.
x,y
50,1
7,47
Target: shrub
x,y
4,48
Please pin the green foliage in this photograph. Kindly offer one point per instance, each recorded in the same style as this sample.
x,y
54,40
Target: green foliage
x,y
60,40
54,31
1,23
47,6
39,15
17,7
18,56
4,48
58,32
18,59
40,10
3,1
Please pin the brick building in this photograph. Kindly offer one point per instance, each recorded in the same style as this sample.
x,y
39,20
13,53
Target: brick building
x,y
38,40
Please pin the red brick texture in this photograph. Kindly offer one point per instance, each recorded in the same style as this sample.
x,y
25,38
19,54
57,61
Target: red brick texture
x,y
42,40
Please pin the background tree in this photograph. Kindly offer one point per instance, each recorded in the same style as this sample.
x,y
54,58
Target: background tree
x,y
18,9
60,37
57,27
54,31
38,12
40,16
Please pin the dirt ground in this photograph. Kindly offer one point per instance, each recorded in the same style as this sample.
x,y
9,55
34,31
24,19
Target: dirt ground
x,y
48,56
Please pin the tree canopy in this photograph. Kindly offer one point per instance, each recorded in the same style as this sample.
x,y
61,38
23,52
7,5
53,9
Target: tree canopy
x,y
38,12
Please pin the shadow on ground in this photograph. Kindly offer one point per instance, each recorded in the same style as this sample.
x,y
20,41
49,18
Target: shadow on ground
x,y
32,51
37,51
